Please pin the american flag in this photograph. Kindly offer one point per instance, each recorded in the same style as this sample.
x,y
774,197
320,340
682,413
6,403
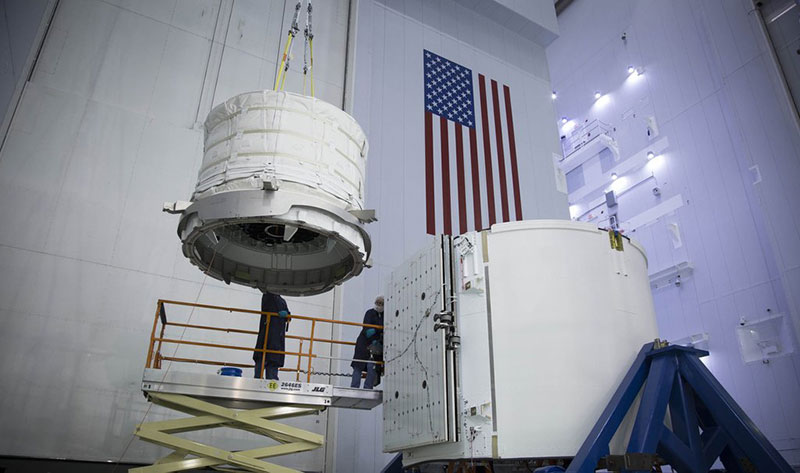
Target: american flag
x,y
449,94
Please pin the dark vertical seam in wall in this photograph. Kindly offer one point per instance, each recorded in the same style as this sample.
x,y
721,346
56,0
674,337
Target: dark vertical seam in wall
x,y
347,45
39,49
8,37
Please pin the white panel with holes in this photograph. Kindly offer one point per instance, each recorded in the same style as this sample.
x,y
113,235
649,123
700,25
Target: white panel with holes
x,y
415,407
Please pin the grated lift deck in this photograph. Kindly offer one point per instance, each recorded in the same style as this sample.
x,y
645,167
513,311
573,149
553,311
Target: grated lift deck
x,y
250,393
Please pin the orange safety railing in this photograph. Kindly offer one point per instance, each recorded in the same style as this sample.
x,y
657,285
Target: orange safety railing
x,y
155,356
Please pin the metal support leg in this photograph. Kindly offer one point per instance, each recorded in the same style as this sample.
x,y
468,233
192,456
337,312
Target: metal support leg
x,y
744,434
653,408
675,378
207,416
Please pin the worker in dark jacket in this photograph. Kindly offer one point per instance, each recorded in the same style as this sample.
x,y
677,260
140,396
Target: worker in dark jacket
x,y
276,335
368,347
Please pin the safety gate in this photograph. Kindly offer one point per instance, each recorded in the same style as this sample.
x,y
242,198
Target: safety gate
x,y
419,392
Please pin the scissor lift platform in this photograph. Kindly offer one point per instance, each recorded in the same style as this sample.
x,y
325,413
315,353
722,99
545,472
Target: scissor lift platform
x,y
254,405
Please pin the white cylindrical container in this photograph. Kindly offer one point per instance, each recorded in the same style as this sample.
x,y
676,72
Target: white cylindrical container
x,y
279,198
569,313
550,316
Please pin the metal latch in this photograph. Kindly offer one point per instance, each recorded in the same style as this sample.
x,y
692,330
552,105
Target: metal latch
x,y
453,342
175,207
445,321
364,216
442,320
658,344
615,238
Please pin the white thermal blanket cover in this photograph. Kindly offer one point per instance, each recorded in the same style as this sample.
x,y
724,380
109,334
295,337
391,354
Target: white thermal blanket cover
x,y
267,136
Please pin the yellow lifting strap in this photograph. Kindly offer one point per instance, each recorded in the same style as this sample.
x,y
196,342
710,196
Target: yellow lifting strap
x,y
283,62
308,50
287,51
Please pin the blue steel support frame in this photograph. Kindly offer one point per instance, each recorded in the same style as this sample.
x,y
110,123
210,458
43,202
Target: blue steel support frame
x,y
706,422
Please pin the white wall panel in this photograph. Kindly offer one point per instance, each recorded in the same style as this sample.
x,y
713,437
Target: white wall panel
x,y
253,26
196,16
34,164
413,144
87,219
131,64
144,241
241,71
159,10
707,82
105,133
179,83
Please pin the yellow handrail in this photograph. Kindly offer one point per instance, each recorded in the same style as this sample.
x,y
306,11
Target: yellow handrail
x,y
154,356
251,311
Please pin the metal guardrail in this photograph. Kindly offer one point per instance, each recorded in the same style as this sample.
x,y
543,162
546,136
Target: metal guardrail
x,y
155,356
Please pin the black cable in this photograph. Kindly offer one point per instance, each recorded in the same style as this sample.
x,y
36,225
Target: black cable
x,y
414,338
413,343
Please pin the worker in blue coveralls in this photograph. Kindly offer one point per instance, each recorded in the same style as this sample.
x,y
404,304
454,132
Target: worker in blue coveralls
x,y
369,346
276,335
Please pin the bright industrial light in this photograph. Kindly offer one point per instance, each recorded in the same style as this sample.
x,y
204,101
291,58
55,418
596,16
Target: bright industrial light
x,y
650,155
635,76
597,94
602,100
631,69
563,119
614,176
555,95
618,184
655,163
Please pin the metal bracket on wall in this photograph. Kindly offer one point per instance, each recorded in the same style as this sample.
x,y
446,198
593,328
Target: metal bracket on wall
x,y
671,275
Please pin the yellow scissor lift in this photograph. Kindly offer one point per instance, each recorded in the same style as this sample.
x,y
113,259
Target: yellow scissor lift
x,y
249,404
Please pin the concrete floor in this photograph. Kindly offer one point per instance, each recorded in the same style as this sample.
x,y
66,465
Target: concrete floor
x,y
36,465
